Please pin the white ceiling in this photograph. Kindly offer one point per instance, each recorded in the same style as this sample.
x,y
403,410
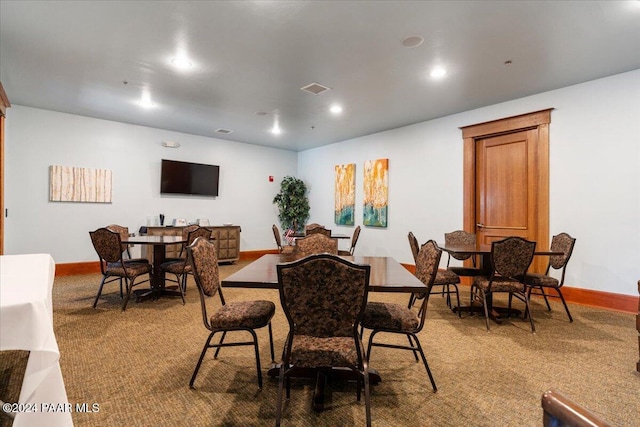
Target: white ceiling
x,y
254,56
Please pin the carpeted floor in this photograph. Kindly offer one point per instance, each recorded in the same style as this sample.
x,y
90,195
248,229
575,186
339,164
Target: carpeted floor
x,y
137,364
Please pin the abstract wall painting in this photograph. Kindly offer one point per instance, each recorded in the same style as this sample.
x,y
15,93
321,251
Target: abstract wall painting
x,y
345,194
376,192
71,184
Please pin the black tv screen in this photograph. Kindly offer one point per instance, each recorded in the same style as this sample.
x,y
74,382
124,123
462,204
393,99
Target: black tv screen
x,y
189,178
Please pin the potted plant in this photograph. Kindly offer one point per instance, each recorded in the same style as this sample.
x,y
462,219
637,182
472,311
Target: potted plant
x,y
293,204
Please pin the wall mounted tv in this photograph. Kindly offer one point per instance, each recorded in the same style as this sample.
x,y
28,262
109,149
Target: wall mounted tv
x,y
189,178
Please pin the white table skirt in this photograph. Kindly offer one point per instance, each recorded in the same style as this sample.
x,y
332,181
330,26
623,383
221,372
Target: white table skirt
x,y
26,323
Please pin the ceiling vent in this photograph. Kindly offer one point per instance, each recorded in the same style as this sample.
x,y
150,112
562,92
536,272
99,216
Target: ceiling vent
x,y
224,131
315,88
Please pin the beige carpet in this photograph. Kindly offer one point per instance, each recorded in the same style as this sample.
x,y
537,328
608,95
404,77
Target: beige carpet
x,y
136,365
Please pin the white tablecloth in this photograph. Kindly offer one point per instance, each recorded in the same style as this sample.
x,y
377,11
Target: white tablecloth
x,y
26,323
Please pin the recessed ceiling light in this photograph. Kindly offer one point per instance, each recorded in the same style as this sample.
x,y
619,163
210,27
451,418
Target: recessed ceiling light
x,y
412,41
145,100
336,109
181,63
276,129
438,72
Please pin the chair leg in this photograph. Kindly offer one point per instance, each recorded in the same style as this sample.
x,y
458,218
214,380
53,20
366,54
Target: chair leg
x,y
457,300
121,294
255,345
486,309
100,290
367,394
413,346
426,365
412,300
180,279
280,390
544,295
526,301
207,345
129,286
273,357
566,308
224,334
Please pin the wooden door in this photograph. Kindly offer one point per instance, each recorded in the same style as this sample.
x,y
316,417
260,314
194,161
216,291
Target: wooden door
x,y
506,180
505,194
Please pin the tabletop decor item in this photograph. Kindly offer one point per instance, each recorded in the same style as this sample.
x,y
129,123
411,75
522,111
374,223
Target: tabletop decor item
x,y
293,203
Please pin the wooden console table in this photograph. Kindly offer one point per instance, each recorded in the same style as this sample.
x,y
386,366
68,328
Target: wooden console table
x,y
225,237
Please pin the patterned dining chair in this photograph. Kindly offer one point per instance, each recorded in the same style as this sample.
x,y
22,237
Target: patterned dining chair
x,y
354,240
276,235
461,237
323,297
445,279
564,243
317,228
124,235
510,260
180,267
109,248
396,319
315,244
230,317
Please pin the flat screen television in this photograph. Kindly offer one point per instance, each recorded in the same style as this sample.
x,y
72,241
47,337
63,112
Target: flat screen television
x,y
189,178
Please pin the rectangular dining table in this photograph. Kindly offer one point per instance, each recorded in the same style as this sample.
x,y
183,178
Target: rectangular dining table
x,y
26,323
159,244
387,275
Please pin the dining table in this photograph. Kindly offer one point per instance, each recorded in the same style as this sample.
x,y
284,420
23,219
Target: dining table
x,y
159,244
333,236
26,323
387,275
483,251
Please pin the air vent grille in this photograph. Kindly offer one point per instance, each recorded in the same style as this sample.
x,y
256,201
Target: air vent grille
x,y
315,88
223,131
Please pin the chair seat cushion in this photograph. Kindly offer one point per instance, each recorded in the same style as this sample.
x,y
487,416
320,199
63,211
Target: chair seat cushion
x,y
446,277
308,351
177,266
500,284
244,314
540,280
382,315
133,269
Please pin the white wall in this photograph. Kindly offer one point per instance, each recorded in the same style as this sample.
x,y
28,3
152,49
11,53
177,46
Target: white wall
x,y
594,173
594,189
36,139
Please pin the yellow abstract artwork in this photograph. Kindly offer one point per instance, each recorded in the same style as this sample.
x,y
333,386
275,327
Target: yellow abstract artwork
x,y
345,194
376,192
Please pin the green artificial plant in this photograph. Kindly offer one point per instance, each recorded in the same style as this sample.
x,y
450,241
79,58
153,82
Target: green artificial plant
x,y
293,204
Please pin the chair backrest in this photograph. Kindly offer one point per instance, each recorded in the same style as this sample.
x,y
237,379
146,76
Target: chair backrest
x,y
354,239
561,243
511,257
204,262
107,244
276,235
188,229
427,262
204,265
323,295
415,246
316,244
317,229
198,232
460,237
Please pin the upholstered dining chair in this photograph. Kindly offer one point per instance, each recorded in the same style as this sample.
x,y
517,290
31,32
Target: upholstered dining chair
x,y
461,237
180,267
276,235
230,317
315,244
510,260
445,279
108,245
124,235
397,319
564,243
317,228
354,240
323,297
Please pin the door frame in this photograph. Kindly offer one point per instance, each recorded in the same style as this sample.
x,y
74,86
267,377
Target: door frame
x,y
539,121
4,104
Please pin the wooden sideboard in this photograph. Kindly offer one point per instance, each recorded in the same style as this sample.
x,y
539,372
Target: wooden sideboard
x,y
225,237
